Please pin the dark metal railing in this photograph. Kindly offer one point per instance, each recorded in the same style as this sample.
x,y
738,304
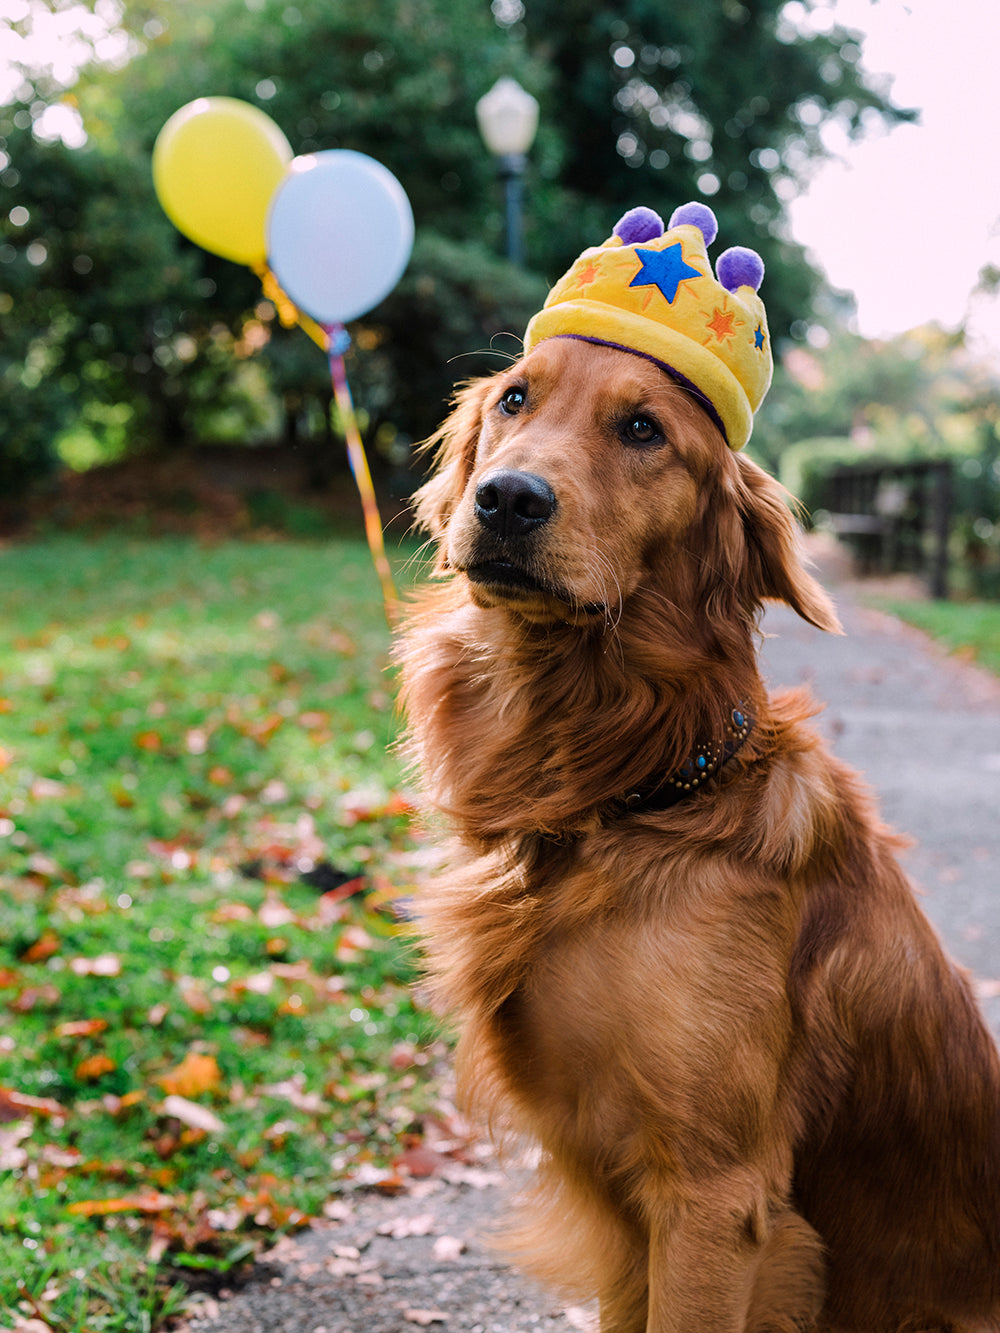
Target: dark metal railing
x,y
895,516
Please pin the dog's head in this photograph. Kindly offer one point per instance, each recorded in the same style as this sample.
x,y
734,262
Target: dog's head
x,y
584,474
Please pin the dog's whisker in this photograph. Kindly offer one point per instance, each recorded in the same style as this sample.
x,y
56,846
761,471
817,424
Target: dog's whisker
x,y
510,357
675,609
610,623
418,556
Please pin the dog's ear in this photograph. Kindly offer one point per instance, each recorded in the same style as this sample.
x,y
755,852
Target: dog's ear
x,y
775,569
453,446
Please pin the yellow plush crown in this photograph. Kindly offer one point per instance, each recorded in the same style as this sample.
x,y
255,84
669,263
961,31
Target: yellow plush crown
x,y
652,292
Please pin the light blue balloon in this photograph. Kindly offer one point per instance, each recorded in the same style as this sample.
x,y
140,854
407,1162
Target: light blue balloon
x,y
340,231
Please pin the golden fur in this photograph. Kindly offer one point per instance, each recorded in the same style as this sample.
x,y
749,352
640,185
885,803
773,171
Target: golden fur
x,y
764,1098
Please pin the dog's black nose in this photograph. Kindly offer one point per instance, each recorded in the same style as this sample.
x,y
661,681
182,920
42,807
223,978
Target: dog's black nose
x,y
512,503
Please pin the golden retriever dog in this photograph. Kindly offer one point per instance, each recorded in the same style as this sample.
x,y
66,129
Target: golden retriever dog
x,y
685,959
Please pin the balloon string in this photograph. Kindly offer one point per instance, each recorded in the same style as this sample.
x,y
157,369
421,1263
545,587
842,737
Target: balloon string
x,y
334,340
337,342
288,313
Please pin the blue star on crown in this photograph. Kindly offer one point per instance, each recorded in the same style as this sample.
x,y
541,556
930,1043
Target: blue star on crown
x,y
665,269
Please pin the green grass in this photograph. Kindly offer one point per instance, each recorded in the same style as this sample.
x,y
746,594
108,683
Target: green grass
x,y
971,630
185,732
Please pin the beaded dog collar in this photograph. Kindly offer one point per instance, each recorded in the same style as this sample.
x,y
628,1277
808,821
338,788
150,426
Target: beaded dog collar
x,y
706,762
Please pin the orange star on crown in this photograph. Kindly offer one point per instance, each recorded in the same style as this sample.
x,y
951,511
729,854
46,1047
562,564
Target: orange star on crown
x,y
721,323
588,276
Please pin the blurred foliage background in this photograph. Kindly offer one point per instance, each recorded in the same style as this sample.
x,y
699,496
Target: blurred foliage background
x,y
119,339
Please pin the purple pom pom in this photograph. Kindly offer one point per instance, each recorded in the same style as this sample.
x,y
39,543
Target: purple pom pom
x,y
739,267
696,215
638,224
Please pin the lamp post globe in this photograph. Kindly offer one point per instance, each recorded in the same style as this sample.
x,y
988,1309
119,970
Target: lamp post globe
x,y
508,120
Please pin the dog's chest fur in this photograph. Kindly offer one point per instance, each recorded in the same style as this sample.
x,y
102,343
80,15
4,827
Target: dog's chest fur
x,y
593,1049
536,945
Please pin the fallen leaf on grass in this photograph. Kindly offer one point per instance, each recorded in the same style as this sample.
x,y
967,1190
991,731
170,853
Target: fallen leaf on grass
x,y
81,1027
193,995
178,854
312,720
273,912
15,1105
258,983
66,1158
157,1248
194,1075
44,947
12,1156
32,995
300,971
267,1211
353,941
122,797
196,740
94,1067
44,867
104,965
292,1090
279,1132
148,1202
263,731
233,912
329,906
192,1114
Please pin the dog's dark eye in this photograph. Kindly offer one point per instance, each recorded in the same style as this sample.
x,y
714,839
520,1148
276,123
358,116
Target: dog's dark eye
x,y
512,402
640,429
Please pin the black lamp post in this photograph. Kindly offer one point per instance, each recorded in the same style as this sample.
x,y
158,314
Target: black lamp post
x,y
508,119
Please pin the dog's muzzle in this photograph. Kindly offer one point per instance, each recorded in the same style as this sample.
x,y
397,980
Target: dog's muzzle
x,y
512,504
510,508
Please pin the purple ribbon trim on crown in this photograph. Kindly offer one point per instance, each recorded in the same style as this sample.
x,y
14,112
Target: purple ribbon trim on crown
x,y
661,365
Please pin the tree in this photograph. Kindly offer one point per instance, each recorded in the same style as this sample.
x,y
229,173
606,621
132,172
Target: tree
x,y
141,339
162,326
660,103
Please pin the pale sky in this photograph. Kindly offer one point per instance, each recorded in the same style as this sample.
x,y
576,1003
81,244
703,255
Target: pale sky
x,y
905,220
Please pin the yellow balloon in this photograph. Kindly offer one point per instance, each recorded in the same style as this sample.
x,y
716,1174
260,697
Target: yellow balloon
x,y
216,165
